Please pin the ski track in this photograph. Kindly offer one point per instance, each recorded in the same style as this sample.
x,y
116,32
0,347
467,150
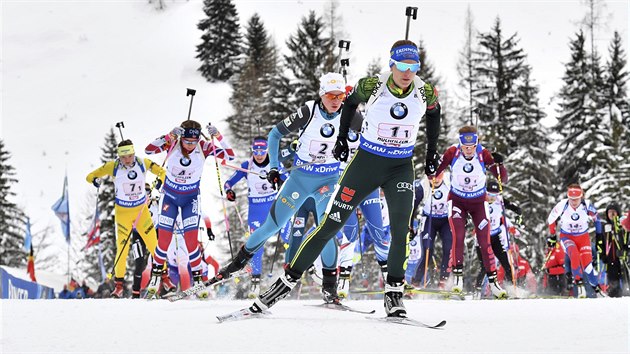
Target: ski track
x,y
121,326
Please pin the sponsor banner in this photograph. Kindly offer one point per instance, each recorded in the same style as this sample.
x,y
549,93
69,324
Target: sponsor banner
x,y
16,288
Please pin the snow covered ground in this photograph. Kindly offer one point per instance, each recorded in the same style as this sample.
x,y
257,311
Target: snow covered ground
x,y
120,326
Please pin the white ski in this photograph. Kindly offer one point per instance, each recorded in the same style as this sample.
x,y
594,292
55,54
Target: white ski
x,y
408,322
242,314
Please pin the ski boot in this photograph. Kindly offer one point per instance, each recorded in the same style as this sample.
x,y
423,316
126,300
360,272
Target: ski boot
x,y
599,292
254,290
581,291
154,283
239,262
329,286
458,279
167,285
278,291
343,289
393,299
197,278
495,288
119,288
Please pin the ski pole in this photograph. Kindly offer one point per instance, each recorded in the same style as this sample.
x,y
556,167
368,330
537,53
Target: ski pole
x,y
344,62
426,252
190,92
240,219
120,125
410,12
275,255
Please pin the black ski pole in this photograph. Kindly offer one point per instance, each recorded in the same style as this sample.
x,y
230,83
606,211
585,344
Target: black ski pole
x,y
190,92
344,62
410,12
120,125
275,255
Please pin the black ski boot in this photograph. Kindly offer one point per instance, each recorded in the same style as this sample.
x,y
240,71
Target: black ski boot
x,y
329,286
239,262
278,291
393,299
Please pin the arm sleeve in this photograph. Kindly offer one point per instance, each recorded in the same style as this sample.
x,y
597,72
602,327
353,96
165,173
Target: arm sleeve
x,y
554,215
107,169
237,176
224,152
274,145
417,200
155,169
433,117
360,94
292,123
492,167
158,145
511,206
447,158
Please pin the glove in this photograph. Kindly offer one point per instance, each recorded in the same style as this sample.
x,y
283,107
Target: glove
x,y
273,176
431,164
294,145
519,219
551,241
431,94
341,149
210,234
96,182
498,158
230,195
177,131
158,184
212,130
412,233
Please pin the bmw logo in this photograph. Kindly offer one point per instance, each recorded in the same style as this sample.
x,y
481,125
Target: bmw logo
x,y
413,243
352,136
184,161
468,168
575,216
398,110
132,175
438,195
263,174
327,130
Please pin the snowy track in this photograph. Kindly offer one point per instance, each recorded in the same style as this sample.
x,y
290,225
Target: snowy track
x,y
117,326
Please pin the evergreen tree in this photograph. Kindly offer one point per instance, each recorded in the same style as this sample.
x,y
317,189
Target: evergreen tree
x,y
374,67
221,40
310,58
466,73
533,191
252,85
585,142
618,108
499,64
12,217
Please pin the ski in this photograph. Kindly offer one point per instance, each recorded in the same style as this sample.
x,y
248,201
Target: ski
x,y
342,307
242,314
444,293
199,287
408,322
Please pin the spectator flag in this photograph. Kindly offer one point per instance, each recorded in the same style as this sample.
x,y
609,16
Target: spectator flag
x,y
62,210
30,265
94,234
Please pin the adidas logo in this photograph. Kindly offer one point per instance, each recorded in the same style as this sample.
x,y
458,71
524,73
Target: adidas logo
x,y
335,217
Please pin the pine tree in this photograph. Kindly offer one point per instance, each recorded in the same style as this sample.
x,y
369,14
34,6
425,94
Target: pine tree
x,y
585,142
221,40
532,191
12,217
252,84
309,59
466,73
618,108
499,64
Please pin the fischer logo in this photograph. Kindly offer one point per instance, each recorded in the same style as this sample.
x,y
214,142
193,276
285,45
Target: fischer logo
x,y
335,217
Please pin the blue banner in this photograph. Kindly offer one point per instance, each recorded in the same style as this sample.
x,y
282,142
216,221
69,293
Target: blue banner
x,y
16,288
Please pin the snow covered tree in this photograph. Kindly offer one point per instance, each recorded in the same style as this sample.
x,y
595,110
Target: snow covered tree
x,y
221,40
11,216
375,67
583,124
252,84
532,177
499,64
310,57
466,73
616,103
334,21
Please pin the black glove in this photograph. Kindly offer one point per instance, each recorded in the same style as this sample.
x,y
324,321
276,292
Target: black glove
x,y
498,158
210,234
294,145
341,149
551,241
412,233
273,176
230,195
431,164
158,184
96,182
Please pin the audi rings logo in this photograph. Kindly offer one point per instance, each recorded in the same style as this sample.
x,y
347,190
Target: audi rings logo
x,y
399,110
352,136
184,161
404,185
575,216
132,174
438,195
468,168
327,130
